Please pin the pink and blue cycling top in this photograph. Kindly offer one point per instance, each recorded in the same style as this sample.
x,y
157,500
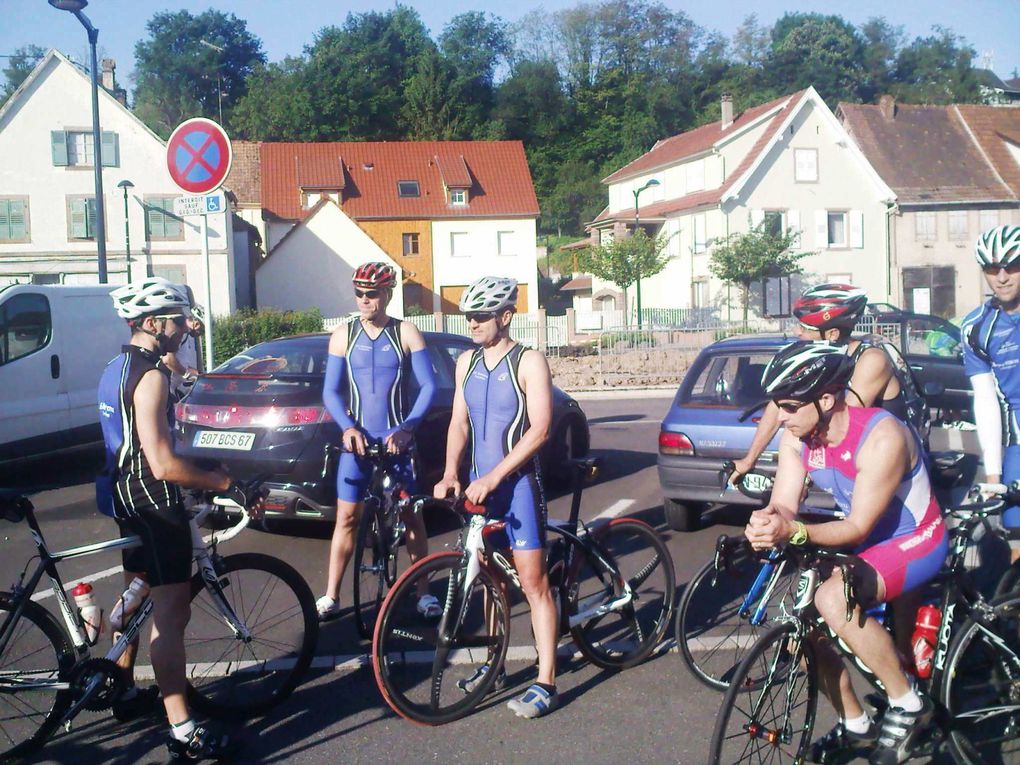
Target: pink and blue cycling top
x,y
376,385
834,470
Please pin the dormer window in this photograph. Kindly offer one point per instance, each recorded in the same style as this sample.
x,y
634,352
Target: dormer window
x,y
458,196
408,189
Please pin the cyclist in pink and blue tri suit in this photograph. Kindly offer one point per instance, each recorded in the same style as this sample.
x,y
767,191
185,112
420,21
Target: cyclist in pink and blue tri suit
x,y
873,466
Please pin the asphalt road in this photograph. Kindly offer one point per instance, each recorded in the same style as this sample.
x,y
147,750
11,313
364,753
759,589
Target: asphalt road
x,y
654,713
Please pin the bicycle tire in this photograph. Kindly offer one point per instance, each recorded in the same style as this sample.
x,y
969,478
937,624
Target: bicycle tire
x,y
769,665
980,674
228,677
375,565
417,673
625,637
712,636
1009,582
39,645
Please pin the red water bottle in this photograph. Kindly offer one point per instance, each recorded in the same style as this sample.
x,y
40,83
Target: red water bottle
x,y
926,631
91,614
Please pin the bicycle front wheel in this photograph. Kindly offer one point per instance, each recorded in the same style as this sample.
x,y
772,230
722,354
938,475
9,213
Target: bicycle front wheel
x,y
375,566
981,687
38,651
625,633
768,712
713,620
434,671
235,675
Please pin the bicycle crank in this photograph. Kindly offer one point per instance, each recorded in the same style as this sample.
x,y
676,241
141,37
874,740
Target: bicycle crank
x,y
96,684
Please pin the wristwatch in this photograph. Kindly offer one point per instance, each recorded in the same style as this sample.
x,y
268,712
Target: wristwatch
x,y
800,534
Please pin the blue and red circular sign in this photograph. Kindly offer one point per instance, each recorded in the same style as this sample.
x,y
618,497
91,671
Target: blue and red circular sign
x,y
198,155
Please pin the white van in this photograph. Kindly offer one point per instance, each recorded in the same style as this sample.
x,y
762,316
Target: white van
x,y
55,342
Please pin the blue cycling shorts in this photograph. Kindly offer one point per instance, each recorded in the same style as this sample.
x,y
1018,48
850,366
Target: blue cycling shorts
x,y
520,503
354,472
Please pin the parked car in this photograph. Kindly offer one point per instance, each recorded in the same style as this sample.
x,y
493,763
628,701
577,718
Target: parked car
x,y
261,412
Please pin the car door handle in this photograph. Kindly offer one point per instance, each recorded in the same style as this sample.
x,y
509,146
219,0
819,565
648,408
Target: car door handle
x,y
916,367
55,366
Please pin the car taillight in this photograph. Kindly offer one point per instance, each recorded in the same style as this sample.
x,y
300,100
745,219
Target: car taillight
x,y
675,443
251,416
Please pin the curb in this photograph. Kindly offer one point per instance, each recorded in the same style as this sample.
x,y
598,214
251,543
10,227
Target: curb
x,y
596,394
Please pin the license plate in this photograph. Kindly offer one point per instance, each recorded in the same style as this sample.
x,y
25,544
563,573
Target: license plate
x,y
224,439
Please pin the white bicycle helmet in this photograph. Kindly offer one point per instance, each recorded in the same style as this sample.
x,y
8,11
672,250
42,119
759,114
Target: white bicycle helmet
x,y
490,293
150,296
999,246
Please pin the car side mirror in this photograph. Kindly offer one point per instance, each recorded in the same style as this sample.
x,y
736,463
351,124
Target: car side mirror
x,y
933,388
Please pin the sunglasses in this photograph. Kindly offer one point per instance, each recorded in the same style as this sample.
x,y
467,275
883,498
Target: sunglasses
x,y
177,319
370,294
993,268
480,317
791,407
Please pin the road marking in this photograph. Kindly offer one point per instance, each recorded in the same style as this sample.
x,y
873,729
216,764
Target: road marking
x,y
616,423
42,595
614,509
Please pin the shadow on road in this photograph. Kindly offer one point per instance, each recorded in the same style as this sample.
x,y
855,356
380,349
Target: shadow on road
x,y
57,472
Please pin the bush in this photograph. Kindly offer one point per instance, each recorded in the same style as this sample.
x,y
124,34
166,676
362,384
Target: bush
x,y
243,329
416,310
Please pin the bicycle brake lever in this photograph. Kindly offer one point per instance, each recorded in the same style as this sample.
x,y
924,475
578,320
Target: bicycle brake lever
x,y
848,590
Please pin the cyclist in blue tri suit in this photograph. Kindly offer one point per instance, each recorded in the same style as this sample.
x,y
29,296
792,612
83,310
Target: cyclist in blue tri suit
x,y
370,358
991,358
502,407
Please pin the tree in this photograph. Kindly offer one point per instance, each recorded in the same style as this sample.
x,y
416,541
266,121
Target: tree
x,y
809,49
936,70
882,42
430,112
19,66
743,259
277,105
178,76
626,259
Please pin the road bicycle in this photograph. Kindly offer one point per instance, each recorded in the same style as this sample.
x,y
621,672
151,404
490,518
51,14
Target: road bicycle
x,y
614,585
250,640
768,712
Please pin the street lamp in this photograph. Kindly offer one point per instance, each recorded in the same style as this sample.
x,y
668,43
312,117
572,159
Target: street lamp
x,y
75,7
637,226
126,184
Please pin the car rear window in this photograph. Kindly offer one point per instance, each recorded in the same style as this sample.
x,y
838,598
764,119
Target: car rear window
x,y
295,355
726,380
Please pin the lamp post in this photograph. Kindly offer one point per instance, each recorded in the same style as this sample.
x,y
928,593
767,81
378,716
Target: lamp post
x,y
637,226
75,7
126,184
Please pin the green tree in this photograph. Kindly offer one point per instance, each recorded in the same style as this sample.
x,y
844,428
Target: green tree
x,y
810,49
882,43
430,112
626,259
937,69
179,77
277,105
743,259
19,66
474,45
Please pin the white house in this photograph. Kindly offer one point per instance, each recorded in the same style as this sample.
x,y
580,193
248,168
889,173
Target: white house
x,y
789,163
47,193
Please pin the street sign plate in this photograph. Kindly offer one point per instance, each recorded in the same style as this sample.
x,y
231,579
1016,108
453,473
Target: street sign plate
x,y
198,156
207,204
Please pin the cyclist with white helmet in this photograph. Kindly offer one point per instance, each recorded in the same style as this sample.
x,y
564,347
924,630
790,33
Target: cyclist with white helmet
x,y
502,410
873,466
991,358
140,486
370,360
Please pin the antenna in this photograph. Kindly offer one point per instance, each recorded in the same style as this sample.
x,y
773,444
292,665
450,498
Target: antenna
x,y
988,60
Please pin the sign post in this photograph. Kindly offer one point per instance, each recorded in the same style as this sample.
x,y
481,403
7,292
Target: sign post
x,y
198,156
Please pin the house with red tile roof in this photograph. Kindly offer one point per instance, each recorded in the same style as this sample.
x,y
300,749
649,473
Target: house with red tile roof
x,y
787,163
955,171
443,212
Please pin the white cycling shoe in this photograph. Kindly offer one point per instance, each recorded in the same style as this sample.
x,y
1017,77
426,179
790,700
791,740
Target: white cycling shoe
x,y
428,606
327,608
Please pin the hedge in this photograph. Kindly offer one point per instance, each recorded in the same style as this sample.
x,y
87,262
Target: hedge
x,y
244,328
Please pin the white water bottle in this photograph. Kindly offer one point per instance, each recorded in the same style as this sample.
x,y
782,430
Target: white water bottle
x,y
91,614
128,603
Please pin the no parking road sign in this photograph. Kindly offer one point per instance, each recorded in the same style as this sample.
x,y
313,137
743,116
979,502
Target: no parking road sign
x,y
198,156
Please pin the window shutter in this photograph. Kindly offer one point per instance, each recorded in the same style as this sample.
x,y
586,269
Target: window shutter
x,y
757,216
5,220
79,224
793,223
821,229
17,220
172,225
58,146
154,217
111,149
857,229
90,220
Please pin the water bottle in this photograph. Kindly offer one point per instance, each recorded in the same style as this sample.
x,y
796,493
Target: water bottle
x,y
128,603
91,614
926,631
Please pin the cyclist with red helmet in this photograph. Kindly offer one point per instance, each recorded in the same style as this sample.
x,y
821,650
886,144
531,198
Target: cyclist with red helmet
x,y
370,359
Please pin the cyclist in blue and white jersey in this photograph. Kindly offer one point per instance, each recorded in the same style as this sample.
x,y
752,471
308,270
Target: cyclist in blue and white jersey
x,y
991,358
502,407
370,358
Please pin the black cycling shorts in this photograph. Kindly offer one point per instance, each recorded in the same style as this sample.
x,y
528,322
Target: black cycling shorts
x,y
165,555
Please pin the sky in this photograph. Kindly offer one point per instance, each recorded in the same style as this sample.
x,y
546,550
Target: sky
x,y
285,26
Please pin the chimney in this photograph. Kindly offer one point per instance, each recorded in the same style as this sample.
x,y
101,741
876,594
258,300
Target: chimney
x,y
107,67
887,105
727,110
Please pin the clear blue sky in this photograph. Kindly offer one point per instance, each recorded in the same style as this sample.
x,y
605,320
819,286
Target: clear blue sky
x,y
286,26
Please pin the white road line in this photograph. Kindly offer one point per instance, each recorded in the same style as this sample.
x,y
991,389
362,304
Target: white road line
x,y
68,586
614,509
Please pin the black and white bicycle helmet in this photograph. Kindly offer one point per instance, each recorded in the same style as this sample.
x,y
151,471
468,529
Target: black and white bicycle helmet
x,y
806,369
999,246
150,296
490,293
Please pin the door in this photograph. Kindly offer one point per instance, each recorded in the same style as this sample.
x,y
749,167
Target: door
x,y
930,289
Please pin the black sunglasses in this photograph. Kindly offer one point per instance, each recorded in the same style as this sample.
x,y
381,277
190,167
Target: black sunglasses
x,y
480,317
178,319
993,268
792,407
370,294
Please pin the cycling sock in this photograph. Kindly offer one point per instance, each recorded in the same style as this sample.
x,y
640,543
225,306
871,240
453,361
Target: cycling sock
x,y
182,731
550,689
908,702
858,725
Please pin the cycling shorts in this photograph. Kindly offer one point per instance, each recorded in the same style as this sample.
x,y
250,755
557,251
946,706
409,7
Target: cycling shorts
x,y
906,562
165,555
519,503
354,473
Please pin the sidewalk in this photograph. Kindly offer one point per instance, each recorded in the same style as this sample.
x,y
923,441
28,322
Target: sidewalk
x,y
644,391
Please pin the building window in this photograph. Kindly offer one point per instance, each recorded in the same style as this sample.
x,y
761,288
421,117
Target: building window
x,y
988,219
805,165
77,148
160,222
958,225
459,244
408,189
172,273
45,278
700,240
505,243
81,218
772,223
836,229
410,244
458,196
14,220
924,226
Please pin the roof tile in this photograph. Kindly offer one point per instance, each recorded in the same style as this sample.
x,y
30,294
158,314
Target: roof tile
x,y
244,178
995,128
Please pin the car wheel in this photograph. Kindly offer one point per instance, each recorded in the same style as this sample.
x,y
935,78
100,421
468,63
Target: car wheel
x,y
682,516
567,443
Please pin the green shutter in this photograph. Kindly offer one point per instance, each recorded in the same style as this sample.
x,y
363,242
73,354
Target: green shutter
x,y
90,207
111,149
79,220
5,220
58,146
154,218
18,221
174,226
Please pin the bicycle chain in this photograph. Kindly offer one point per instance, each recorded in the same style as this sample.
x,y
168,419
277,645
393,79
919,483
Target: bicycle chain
x,y
110,688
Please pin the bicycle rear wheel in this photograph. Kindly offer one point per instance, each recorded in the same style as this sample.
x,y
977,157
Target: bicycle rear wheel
x,y
232,676
38,650
768,712
422,665
375,568
711,632
981,687
626,634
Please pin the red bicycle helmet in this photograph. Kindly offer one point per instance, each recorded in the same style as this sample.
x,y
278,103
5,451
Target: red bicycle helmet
x,y
830,305
375,276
